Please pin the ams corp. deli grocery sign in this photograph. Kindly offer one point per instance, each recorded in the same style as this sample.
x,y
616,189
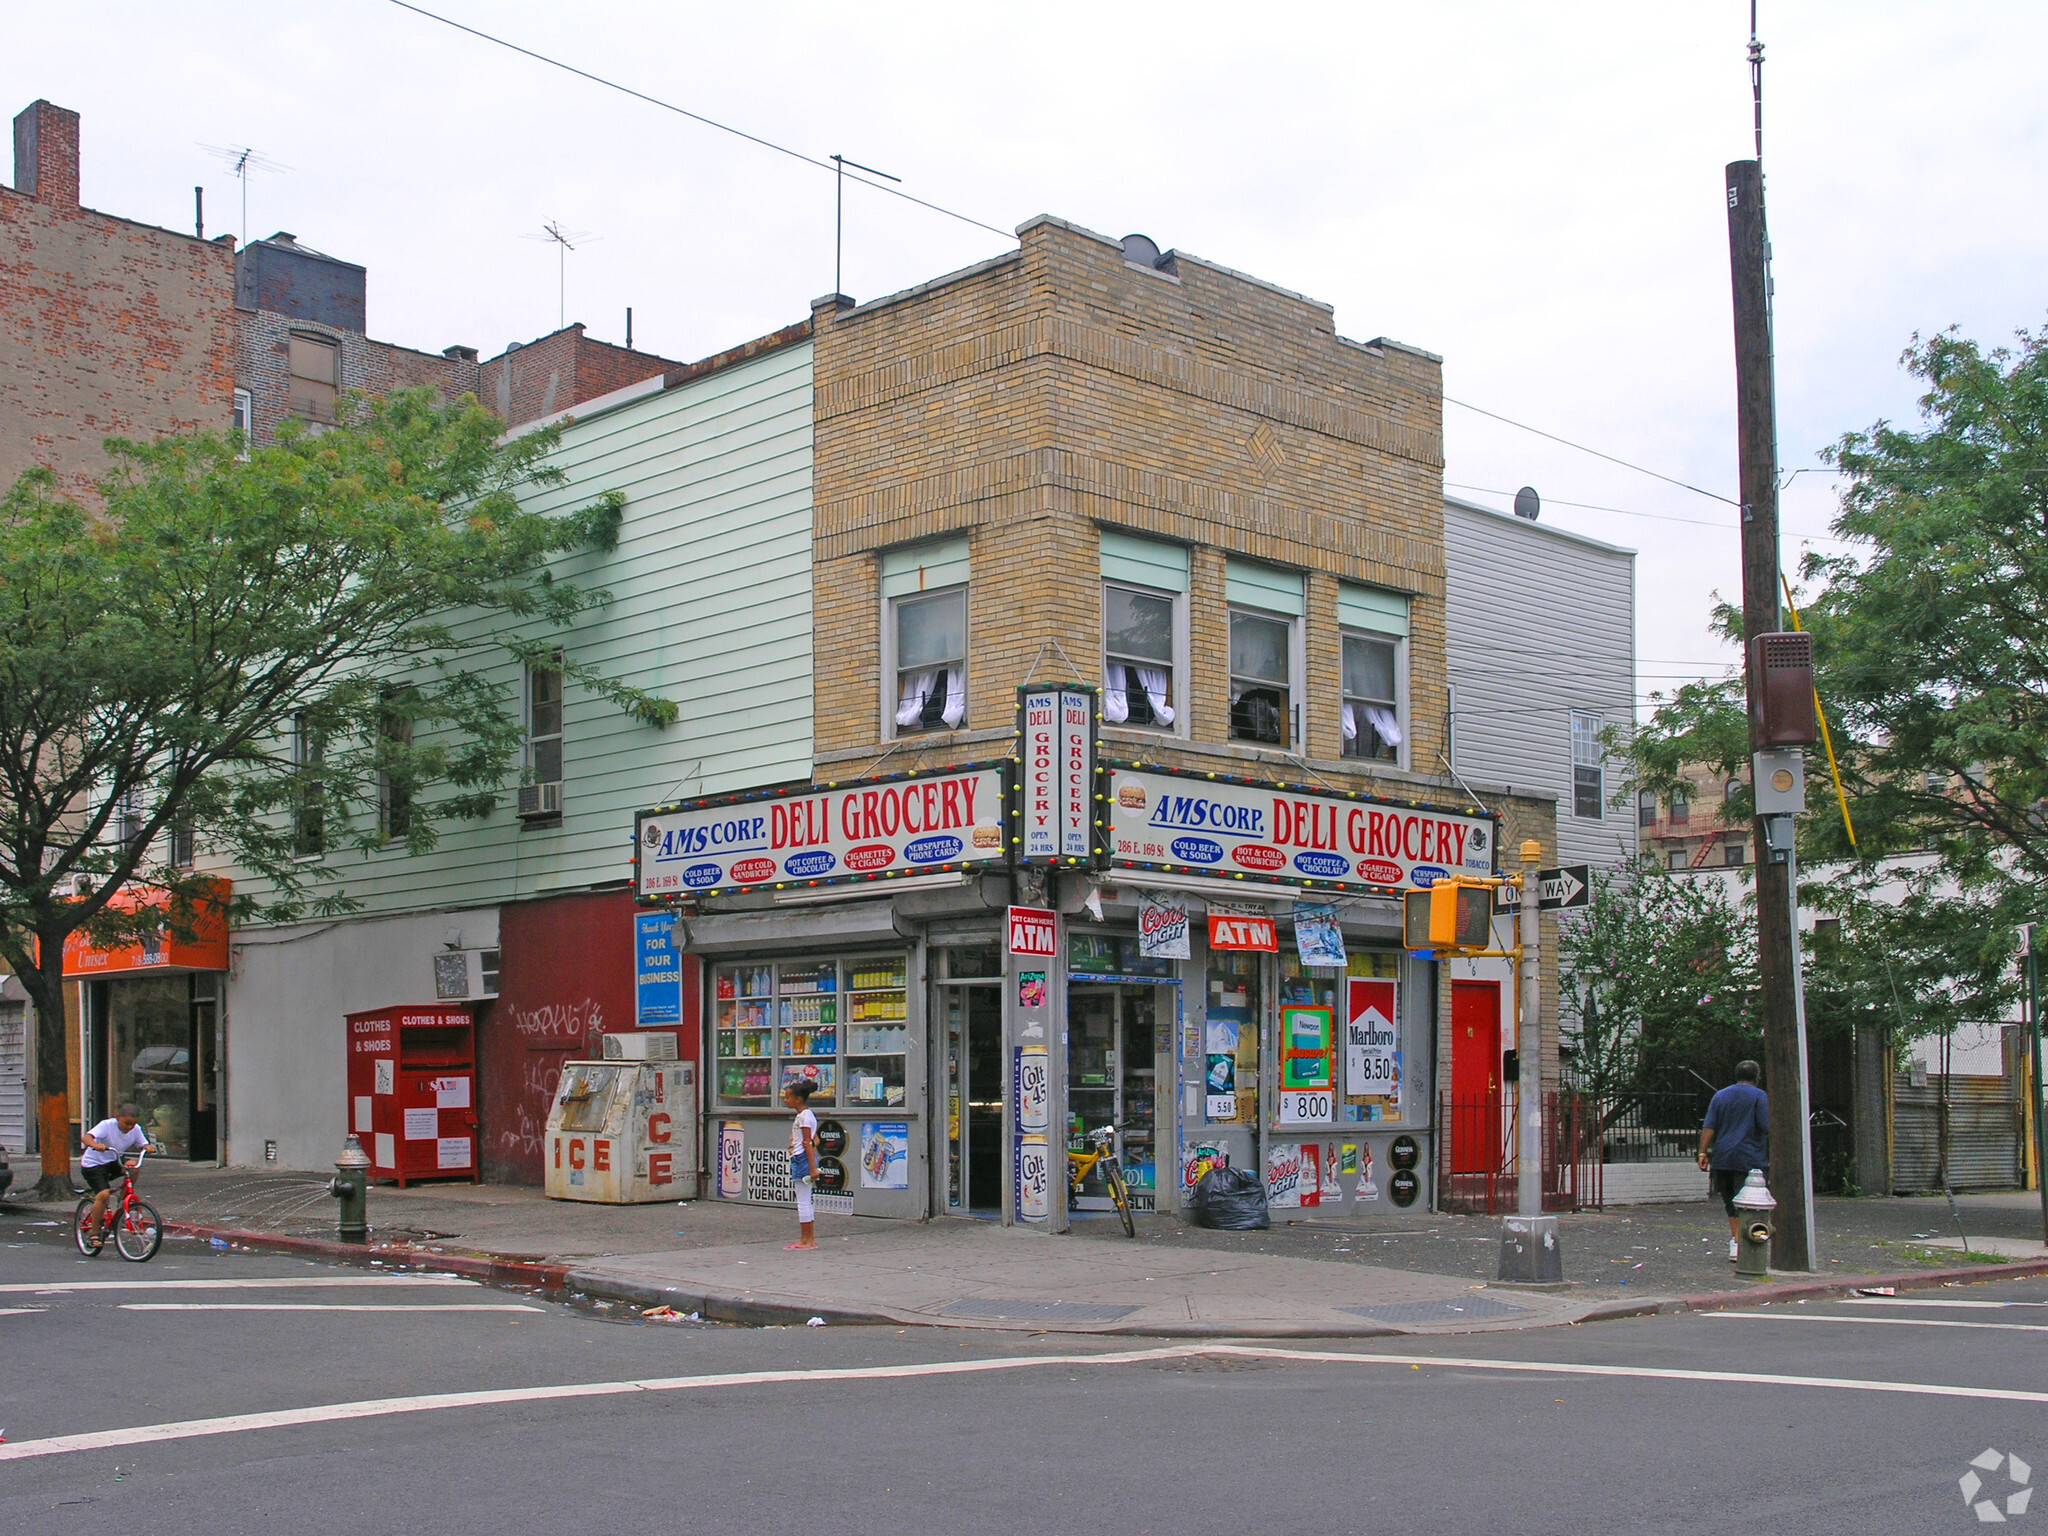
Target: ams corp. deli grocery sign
x,y
1169,821
857,831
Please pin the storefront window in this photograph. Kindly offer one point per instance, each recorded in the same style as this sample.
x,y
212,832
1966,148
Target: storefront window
x,y
1109,954
152,1055
1374,1068
843,1025
1231,1059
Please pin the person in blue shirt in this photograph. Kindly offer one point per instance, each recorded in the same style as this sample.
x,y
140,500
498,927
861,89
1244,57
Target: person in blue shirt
x,y
1736,1139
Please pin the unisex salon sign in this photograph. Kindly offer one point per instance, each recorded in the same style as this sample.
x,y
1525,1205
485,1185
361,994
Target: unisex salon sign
x,y
871,830
1201,825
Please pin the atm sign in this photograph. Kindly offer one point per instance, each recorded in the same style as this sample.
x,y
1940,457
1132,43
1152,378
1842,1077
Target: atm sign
x,y
1031,932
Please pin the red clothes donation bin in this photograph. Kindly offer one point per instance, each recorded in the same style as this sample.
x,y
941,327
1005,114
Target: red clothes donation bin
x,y
412,1091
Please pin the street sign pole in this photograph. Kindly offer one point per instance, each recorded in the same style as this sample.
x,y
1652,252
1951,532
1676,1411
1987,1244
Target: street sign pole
x,y
2037,1107
1529,1043
1529,1249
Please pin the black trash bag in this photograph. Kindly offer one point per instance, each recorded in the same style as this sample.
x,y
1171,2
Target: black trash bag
x,y
1231,1200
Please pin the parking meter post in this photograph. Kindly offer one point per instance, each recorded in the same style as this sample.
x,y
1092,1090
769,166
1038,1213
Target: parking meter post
x,y
351,1186
1754,1207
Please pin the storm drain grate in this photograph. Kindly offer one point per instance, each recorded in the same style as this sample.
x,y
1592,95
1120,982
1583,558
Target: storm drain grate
x,y
1469,1309
1036,1311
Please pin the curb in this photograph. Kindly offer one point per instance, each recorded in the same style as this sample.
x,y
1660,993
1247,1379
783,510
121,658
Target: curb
x,y
1821,1290
767,1314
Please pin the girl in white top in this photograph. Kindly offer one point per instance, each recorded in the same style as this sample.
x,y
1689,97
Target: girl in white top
x,y
803,1158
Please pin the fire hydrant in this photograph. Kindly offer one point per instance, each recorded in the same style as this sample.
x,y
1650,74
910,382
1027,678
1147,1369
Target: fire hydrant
x,y
351,1186
1753,1206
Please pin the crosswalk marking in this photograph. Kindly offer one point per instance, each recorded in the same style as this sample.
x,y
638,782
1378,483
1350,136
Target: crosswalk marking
x,y
330,1413
328,1306
1907,1301
60,1287
1880,1322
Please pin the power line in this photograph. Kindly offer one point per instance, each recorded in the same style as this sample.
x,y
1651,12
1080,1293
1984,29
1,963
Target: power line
x,y
1662,517
1567,442
697,117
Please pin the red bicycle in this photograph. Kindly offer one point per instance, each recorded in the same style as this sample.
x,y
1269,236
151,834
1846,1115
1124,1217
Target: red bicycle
x,y
138,1230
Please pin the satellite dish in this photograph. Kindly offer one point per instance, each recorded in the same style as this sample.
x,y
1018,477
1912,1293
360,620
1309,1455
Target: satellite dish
x,y
1141,251
1527,503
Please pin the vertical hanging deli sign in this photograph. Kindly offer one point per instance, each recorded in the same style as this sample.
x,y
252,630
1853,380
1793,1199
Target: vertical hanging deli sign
x,y
1056,785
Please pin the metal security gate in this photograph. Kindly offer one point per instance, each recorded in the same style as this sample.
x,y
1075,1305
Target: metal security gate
x,y
1962,1131
14,1076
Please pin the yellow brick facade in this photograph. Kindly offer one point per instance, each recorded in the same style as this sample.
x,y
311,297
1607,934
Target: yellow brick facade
x,y
1041,397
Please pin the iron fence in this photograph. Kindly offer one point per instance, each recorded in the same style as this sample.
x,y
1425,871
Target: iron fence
x,y
1478,1154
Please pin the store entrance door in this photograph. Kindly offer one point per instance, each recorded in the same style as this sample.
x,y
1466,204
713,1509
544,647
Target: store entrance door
x,y
973,1024
1113,1063
1475,1108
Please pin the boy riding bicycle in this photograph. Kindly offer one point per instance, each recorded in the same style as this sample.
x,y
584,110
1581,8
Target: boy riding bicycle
x,y
106,1144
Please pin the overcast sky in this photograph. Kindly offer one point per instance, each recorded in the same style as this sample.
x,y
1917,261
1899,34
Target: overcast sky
x,y
1533,191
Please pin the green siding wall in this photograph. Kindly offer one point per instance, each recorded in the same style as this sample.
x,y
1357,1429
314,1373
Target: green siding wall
x,y
711,587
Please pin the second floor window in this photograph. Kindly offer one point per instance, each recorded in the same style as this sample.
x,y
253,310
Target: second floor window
x,y
1261,678
1372,706
544,723
1138,650
1589,767
1646,808
1681,807
394,785
931,661
315,377
309,799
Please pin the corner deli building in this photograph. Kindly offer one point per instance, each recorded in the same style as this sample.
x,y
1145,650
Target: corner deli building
x,y
1130,720
977,964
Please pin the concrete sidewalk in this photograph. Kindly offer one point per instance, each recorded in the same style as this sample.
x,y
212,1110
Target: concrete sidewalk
x,y
1414,1272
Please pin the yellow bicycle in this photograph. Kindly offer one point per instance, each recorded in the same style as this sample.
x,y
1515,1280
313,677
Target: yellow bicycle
x,y
1081,1164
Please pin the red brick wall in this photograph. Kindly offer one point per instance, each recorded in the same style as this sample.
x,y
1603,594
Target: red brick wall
x,y
560,370
108,328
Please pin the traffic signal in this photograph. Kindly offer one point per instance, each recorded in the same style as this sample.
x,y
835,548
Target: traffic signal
x,y
1451,916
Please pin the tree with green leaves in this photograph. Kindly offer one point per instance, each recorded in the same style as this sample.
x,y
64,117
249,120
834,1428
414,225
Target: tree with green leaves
x,y
1930,634
1659,978
1931,663
264,654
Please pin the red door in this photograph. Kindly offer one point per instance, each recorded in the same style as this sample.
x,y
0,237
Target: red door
x,y
1475,1077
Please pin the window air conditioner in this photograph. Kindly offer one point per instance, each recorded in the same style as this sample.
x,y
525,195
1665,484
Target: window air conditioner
x,y
538,800
460,974
647,1045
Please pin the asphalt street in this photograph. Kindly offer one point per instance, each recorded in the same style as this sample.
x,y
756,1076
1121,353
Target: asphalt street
x,y
226,1392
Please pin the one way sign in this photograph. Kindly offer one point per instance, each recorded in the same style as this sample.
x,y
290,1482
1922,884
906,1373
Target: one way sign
x,y
1557,889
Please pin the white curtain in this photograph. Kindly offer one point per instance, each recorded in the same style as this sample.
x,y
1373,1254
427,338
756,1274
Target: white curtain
x,y
1383,721
1116,697
1350,723
915,686
1155,683
921,686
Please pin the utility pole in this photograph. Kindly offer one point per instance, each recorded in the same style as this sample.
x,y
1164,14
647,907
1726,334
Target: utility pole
x,y
2035,1103
1777,957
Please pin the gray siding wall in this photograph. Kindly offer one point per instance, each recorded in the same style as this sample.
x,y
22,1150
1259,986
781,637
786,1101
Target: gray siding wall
x,y
1541,623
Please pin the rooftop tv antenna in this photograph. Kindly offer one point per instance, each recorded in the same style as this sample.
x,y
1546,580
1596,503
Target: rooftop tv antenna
x,y
240,163
840,163
565,241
